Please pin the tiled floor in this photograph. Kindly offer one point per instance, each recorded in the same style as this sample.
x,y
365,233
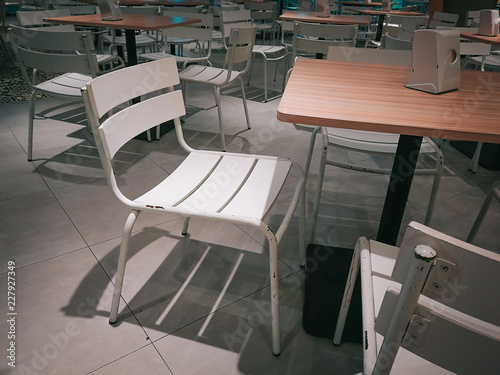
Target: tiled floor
x,y
61,227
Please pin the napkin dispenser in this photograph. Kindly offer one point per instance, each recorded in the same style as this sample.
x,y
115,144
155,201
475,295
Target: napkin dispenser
x,y
488,22
322,8
435,61
110,10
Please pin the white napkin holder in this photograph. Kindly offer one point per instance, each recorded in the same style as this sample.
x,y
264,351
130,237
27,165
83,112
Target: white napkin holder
x,y
322,8
110,10
435,61
386,4
488,22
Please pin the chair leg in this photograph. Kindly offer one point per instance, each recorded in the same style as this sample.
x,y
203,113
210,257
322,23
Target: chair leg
x,y
243,96
219,110
274,277
30,125
250,70
346,299
265,79
435,188
475,158
185,226
122,262
302,228
319,187
495,192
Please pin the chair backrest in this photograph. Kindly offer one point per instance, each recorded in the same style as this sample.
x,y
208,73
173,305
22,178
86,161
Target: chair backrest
x,y
391,42
315,38
145,9
239,48
80,9
402,27
201,31
472,18
447,311
53,51
167,9
262,11
124,124
234,19
443,19
369,55
34,18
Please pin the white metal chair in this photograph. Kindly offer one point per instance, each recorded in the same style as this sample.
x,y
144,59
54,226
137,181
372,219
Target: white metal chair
x,y
391,42
239,51
211,185
143,40
440,19
436,312
107,62
264,18
313,39
70,53
478,55
199,33
400,27
494,193
372,143
276,53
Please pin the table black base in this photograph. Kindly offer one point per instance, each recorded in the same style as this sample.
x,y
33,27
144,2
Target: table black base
x,y
326,274
402,172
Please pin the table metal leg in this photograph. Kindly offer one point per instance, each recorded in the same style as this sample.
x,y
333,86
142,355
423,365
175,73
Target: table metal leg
x,y
131,47
380,27
399,187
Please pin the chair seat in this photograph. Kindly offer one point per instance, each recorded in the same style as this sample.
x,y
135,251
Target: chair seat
x,y
180,40
370,141
164,55
140,39
489,60
208,74
228,190
269,49
69,84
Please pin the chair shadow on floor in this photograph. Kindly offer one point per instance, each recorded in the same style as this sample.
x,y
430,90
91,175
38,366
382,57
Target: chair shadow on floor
x,y
192,281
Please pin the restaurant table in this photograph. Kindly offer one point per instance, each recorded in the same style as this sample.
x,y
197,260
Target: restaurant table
x,y
373,97
130,22
183,3
493,40
340,19
381,17
372,4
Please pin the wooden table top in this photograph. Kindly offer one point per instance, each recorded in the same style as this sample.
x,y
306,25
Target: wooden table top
x,y
341,19
153,2
494,40
372,4
129,21
380,12
374,97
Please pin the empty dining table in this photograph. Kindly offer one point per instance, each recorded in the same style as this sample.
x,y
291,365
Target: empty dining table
x,y
339,19
381,16
130,23
373,97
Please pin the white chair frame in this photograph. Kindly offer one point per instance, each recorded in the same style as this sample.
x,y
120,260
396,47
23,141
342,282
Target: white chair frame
x,y
200,33
71,53
254,181
242,18
239,51
435,313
